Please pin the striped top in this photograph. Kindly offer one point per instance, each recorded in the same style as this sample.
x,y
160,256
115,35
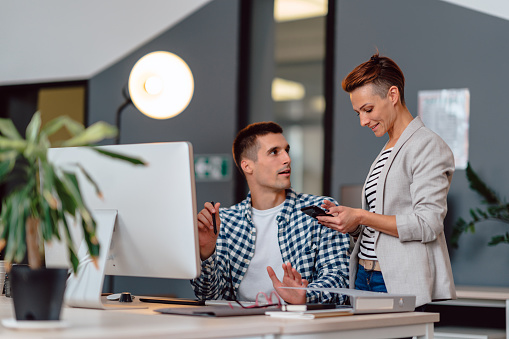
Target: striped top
x,y
367,248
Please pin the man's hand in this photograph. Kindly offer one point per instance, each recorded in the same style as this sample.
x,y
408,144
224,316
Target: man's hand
x,y
207,238
291,278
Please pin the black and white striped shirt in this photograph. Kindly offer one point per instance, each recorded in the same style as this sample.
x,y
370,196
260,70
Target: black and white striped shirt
x,y
367,248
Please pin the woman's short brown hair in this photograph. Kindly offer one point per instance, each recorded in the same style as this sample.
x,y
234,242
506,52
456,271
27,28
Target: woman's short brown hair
x,y
380,71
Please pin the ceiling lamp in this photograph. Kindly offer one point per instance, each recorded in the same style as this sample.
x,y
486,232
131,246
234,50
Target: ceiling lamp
x,y
289,10
287,90
161,85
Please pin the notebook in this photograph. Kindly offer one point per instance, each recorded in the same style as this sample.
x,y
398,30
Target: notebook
x,y
313,314
216,311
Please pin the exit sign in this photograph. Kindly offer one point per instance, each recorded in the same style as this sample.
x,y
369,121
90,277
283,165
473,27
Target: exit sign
x,y
216,167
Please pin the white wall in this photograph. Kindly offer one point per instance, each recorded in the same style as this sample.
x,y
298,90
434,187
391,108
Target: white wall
x,y
498,8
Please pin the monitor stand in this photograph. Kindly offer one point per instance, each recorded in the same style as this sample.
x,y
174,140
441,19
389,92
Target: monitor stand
x,y
85,287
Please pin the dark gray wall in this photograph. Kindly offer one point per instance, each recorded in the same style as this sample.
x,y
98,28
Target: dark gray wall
x,y
438,46
207,40
261,61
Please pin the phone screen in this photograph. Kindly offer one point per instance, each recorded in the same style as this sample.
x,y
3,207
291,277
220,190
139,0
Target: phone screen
x,y
313,211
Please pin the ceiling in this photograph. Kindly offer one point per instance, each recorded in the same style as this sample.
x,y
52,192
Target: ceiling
x,y
62,40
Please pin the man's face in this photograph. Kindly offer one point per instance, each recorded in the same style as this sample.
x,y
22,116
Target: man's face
x,y
271,170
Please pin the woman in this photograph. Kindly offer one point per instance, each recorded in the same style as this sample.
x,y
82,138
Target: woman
x,y
399,242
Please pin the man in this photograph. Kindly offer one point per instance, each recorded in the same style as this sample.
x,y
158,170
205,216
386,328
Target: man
x,y
266,242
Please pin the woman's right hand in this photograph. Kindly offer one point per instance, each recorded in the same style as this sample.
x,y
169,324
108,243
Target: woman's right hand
x,y
342,219
207,237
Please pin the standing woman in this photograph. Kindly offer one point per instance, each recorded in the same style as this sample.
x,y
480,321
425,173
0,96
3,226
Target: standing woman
x,y
399,242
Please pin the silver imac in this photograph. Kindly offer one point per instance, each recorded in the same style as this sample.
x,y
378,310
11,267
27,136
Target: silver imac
x,y
146,219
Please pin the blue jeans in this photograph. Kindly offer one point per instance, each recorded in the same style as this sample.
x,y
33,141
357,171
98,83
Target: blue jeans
x,y
369,280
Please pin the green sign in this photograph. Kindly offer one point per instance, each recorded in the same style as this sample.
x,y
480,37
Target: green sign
x,y
215,167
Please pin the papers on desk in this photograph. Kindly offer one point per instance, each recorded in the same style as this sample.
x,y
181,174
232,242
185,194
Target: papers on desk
x,y
312,314
306,307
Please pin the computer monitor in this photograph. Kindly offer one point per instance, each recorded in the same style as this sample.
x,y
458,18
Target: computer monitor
x,y
152,209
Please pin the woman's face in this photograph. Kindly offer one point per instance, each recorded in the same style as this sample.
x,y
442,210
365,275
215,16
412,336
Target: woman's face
x,y
374,111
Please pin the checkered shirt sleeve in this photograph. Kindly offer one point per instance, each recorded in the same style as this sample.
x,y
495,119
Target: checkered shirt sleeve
x,y
318,253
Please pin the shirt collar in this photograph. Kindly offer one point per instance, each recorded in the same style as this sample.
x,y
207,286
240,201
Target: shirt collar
x,y
284,215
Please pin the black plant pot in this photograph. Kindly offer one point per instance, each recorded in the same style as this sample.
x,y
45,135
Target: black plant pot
x,y
37,294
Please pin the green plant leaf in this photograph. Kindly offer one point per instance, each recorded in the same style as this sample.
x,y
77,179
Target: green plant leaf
x,y
474,216
91,180
47,222
33,128
135,161
56,124
499,239
6,167
67,200
480,187
70,244
71,183
17,204
8,129
471,227
8,144
458,229
47,177
8,155
482,213
90,239
95,133
73,258
44,145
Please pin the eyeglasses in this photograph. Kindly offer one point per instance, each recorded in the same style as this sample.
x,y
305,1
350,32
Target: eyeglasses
x,y
262,301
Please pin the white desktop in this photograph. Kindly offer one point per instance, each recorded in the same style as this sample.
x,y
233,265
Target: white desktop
x,y
146,220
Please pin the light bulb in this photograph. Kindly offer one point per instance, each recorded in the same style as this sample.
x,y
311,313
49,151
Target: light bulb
x,y
154,85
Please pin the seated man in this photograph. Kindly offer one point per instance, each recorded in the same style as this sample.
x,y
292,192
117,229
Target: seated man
x,y
266,242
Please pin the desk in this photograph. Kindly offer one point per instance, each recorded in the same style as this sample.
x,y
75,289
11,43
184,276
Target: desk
x,y
137,323
476,296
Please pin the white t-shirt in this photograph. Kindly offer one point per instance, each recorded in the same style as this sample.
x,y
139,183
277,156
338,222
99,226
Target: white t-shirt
x,y
267,253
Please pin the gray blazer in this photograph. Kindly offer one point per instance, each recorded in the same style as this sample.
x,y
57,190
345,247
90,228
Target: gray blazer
x,y
413,186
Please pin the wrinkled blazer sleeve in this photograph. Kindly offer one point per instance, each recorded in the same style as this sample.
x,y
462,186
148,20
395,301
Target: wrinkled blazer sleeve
x,y
427,166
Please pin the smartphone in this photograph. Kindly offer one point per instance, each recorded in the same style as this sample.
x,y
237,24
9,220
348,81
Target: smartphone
x,y
313,211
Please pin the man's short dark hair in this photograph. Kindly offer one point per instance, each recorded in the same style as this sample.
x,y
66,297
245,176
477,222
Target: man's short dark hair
x,y
245,144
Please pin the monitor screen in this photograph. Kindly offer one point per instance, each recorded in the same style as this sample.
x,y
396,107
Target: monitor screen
x,y
155,233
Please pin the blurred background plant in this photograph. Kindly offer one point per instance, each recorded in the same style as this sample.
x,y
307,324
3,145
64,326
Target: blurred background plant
x,y
495,209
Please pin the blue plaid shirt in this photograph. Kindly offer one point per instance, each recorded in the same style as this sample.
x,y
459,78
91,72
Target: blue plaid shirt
x,y
318,253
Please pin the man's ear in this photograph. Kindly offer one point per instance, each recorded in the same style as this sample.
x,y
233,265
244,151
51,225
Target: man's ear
x,y
247,166
394,94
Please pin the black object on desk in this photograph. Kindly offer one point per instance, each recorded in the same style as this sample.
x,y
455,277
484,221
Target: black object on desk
x,y
125,297
174,301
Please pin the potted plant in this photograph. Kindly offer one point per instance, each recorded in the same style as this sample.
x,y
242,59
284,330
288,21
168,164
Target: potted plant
x,y
39,198
496,209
